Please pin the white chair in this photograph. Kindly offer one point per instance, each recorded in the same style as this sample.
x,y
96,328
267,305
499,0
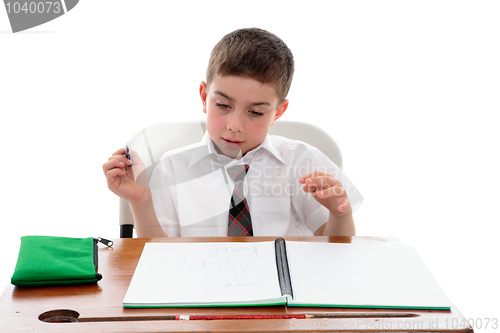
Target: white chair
x,y
152,142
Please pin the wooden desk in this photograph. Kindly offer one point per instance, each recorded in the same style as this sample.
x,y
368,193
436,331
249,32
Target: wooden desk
x,y
98,307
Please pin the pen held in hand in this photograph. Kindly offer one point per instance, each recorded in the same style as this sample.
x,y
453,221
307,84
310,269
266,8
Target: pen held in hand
x,y
128,154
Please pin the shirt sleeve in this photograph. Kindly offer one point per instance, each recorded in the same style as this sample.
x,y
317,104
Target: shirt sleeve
x,y
163,201
307,159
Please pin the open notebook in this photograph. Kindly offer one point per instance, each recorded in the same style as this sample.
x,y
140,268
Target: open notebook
x,y
283,273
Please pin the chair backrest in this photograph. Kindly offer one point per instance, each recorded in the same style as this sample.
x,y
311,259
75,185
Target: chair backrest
x,y
152,142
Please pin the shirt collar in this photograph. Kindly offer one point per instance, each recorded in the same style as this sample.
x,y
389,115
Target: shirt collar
x,y
203,150
268,145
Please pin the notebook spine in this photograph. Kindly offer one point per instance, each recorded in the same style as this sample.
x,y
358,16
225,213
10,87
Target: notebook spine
x,y
282,266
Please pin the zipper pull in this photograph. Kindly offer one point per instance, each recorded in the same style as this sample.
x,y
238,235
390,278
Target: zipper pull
x,y
104,241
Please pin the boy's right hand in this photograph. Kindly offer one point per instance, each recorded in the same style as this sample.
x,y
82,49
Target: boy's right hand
x,y
120,176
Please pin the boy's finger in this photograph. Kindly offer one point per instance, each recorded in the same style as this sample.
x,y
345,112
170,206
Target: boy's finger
x,y
120,158
310,188
344,206
323,181
114,163
112,174
303,178
332,192
120,151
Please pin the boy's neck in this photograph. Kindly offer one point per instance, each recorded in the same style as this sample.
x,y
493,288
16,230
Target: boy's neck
x,y
225,159
239,156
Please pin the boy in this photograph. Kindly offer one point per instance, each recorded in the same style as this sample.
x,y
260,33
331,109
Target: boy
x,y
284,187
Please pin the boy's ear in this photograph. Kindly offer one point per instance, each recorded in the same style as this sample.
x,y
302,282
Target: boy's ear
x,y
203,95
280,110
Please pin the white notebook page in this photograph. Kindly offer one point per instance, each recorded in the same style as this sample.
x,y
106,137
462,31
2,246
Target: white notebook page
x,y
361,275
210,273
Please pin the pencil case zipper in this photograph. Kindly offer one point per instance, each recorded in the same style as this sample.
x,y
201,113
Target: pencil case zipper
x,y
106,242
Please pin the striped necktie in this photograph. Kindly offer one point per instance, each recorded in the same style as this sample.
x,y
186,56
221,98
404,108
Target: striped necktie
x,y
239,221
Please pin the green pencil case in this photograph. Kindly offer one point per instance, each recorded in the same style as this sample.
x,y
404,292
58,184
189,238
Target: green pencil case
x,y
51,260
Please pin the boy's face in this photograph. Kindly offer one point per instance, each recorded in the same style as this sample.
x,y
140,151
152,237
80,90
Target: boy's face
x,y
240,111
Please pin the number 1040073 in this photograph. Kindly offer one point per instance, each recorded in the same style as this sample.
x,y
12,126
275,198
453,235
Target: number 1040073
x,y
33,7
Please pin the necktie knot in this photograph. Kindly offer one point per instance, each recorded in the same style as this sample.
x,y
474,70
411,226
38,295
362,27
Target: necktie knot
x,y
238,172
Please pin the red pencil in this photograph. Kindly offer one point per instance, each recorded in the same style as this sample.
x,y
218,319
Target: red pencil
x,y
290,316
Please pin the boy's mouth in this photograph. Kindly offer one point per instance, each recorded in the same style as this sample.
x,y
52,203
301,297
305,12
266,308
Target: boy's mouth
x,y
232,143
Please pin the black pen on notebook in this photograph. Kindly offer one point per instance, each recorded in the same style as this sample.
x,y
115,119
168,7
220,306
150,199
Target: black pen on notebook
x,y
128,154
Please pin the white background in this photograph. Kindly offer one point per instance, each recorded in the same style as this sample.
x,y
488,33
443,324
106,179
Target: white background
x,y
410,91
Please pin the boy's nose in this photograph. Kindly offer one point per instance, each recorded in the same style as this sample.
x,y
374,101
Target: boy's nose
x,y
235,121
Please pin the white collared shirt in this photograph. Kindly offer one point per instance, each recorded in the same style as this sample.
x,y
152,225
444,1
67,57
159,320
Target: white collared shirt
x,y
191,189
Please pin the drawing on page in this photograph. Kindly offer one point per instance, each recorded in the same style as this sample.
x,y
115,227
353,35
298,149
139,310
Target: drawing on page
x,y
236,259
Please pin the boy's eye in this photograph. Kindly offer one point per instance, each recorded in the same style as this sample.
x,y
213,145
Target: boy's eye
x,y
256,114
222,106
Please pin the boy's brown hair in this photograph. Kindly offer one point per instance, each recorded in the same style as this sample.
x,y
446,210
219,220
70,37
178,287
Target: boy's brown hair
x,y
255,53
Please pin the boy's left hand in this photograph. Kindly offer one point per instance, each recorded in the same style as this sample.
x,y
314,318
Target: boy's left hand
x,y
328,191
